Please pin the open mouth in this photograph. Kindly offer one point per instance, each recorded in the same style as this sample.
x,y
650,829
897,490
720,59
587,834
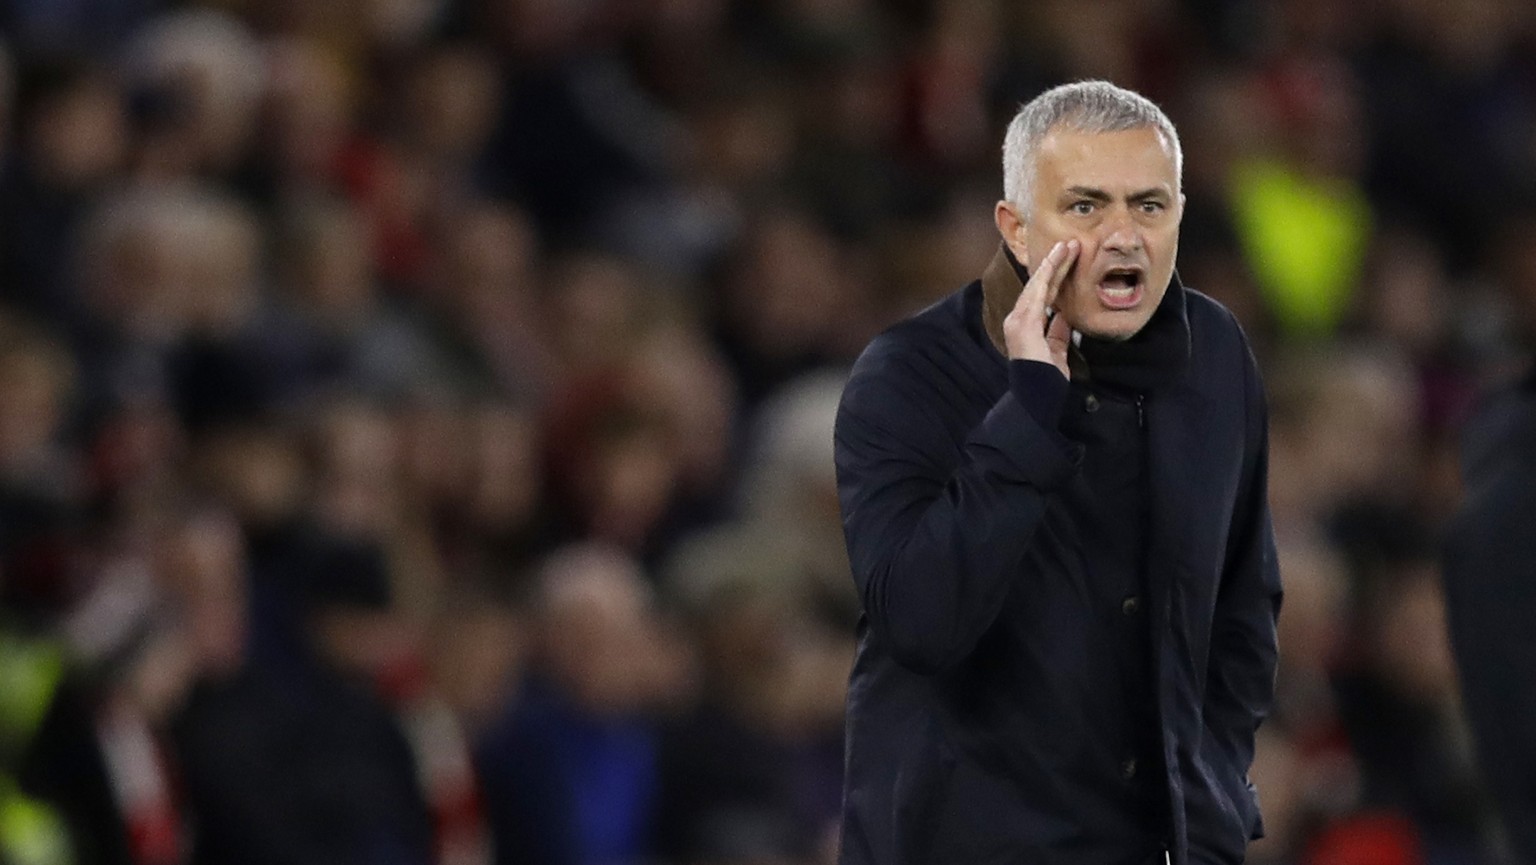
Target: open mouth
x,y
1121,287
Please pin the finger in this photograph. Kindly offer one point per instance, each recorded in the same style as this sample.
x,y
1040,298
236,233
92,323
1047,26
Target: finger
x,y
1058,341
1033,299
1061,269
1058,331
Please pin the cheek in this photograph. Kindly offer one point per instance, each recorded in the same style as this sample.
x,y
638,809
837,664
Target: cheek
x,y
1046,235
1082,266
1036,247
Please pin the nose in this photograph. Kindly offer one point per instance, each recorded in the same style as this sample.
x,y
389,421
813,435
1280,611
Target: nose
x,y
1121,234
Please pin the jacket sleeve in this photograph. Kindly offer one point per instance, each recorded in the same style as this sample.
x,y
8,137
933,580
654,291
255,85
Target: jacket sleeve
x,y
937,528
1244,651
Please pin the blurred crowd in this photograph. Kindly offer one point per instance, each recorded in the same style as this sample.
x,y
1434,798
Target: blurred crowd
x,y
415,415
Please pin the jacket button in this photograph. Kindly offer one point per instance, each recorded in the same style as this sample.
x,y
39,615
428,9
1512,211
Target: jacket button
x,y
1128,769
1130,605
1091,404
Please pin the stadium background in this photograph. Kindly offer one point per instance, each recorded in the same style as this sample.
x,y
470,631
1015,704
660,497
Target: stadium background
x,y
415,414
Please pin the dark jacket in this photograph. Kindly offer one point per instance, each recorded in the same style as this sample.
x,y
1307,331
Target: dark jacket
x,y
300,769
1490,592
989,714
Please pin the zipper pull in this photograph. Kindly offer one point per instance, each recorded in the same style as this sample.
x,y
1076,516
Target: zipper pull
x,y
1141,411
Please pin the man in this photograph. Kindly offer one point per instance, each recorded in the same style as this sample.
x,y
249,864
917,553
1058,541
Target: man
x,y
1490,593
1053,494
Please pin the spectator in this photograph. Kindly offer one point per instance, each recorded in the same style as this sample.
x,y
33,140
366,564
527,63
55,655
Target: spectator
x,y
1488,595
571,770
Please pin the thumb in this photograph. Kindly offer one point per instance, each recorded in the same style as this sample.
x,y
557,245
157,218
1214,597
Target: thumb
x,y
1058,331
1058,338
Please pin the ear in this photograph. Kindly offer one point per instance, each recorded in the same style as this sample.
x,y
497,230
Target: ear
x,y
1014,229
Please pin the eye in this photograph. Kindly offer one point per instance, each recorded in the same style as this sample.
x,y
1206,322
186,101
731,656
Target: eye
x,y
1080,208
1152,207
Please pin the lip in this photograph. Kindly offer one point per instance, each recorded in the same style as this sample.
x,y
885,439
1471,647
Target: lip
x,y
1116,300
1113,296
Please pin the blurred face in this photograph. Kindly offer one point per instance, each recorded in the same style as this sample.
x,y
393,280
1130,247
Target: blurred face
x,y
204,562
1117,193
597,636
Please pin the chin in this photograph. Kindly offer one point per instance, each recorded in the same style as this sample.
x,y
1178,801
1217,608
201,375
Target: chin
x,y
1112,331
1110,336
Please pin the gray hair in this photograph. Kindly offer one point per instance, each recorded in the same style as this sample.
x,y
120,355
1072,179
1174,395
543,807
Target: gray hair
x,y
1086,106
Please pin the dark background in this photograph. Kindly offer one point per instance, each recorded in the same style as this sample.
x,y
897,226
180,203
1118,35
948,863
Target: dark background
x,y
415,415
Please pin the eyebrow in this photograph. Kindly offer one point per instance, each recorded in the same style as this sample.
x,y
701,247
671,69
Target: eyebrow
x,y
1095,194
1088,192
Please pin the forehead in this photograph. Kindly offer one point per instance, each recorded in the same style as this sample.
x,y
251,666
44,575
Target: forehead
x,y
1131,159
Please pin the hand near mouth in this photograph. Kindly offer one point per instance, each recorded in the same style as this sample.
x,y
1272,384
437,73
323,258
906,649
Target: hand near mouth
x,y
1033,331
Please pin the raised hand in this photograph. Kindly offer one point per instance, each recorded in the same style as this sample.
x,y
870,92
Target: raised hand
x,y
1029,331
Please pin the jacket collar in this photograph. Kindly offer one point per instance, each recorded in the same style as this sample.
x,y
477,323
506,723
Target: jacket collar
x,y
1155,356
